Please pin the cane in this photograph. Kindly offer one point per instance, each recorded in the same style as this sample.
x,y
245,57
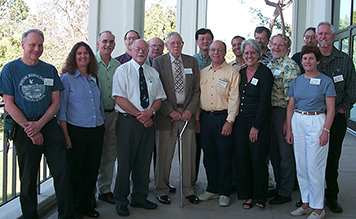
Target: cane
x,y
181,163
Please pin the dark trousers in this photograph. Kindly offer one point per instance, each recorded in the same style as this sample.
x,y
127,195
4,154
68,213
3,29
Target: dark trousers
x,y
134,150
337,134
281,155
84,161
218,153
250,160
29,157
198,155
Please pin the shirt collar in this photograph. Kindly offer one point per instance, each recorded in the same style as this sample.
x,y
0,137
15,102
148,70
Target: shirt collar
x,y
179,58
220,66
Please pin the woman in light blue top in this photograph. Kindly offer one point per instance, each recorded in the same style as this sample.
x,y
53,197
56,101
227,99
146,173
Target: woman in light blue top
x,y
310,113
81,117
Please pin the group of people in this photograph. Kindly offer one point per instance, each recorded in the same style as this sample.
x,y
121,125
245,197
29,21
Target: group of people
x,y
262,107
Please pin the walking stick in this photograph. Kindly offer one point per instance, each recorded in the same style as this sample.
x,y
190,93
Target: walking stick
x,y
181,163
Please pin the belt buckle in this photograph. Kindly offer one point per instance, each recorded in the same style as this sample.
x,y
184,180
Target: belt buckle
x,y
211,113
304,113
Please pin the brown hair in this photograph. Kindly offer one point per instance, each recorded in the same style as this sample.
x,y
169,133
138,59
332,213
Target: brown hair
x,y
307,49
70,65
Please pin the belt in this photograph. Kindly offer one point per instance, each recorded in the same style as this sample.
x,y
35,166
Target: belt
x,y
180,105
109,111
216,112
127,115
33,119
308,113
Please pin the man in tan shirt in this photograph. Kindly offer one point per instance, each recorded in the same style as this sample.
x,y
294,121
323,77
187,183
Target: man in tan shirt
x,y
219,101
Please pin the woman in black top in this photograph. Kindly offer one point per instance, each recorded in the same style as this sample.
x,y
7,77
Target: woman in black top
x,y
251,129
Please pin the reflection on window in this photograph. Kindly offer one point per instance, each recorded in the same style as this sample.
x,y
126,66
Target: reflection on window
x,y
336,44
345,45
345,14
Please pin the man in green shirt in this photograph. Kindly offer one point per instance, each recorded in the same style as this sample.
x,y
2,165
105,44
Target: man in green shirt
x,y
107,67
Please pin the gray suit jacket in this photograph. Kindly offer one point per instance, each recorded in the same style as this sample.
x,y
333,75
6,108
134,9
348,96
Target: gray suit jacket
x,y
192,90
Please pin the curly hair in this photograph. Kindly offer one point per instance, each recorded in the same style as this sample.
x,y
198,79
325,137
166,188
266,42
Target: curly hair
x,y
70,65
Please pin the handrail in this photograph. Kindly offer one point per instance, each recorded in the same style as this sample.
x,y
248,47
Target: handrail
x,y
9,168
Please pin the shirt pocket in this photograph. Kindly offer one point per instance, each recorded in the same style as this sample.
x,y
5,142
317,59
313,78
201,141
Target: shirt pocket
x,y
203,86
151,87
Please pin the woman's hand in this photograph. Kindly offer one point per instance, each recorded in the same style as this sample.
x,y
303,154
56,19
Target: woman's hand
x,y
253,134
324,138
289,137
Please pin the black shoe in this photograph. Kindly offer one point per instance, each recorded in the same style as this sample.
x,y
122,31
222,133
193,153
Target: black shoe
x,y
334,206
299,203
193,199
122,210
107,197
172,189
164,199
272,193
147,205
278,200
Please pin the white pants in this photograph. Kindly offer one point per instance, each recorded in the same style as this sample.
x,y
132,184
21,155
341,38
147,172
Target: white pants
x,y
310,157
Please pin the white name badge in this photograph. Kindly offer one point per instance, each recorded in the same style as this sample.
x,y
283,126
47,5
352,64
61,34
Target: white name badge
x,y
338,78
48,82
315,81
188,71
254,81
277,72
222,83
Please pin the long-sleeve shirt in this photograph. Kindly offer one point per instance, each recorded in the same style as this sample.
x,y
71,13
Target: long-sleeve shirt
x,y
341,70
220,89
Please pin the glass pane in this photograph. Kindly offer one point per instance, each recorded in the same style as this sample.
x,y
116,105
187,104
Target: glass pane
x,y
345,10
336,44
345,45
354,13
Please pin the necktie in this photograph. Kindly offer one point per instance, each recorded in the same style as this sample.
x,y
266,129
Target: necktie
x,y
143,90
178,77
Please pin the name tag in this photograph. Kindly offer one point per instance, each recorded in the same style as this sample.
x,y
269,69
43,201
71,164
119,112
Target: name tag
x,y
254,81
48,82
188,71
315,81
277,72
338,78
222,83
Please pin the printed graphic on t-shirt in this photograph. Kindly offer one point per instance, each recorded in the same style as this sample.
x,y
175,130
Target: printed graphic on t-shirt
x,y
32,87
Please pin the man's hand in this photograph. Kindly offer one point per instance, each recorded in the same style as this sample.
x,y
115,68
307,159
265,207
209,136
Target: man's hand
x,y
37,138
186,115
175,115
226,129
144,116
148,123
32,128
253,134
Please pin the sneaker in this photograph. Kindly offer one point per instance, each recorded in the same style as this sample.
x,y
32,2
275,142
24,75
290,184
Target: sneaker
x,y
224,201
207,196
300,211
317,216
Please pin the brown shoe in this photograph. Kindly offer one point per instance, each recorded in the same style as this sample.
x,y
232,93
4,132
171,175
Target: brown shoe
x,y
107,197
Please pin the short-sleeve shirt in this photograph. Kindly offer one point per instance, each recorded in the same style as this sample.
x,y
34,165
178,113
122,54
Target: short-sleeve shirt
x,y
30,85
126,84
202,60
310,93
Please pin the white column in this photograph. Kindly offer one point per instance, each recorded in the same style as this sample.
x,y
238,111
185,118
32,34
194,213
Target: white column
x,y
308,13
116,16
191,15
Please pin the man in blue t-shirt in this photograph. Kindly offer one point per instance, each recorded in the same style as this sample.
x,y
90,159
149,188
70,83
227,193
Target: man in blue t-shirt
x,y
31,91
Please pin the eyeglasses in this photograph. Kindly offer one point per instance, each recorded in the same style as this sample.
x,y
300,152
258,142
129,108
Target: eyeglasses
x,y
277,45
156,46
306,37
137,49
175,43
260,38
131,38
218,50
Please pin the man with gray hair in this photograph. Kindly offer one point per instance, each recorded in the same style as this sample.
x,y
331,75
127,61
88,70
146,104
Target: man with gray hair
x,y
179,74
107,66
340,68
31,90
138,94
156,49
